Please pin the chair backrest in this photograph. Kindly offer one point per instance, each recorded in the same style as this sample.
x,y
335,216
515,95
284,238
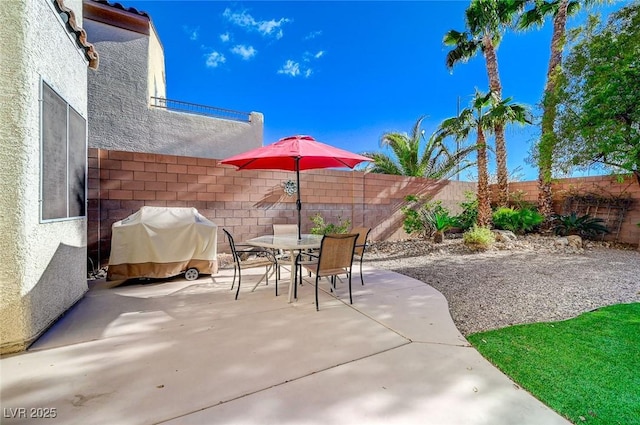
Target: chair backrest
x,y
232,244
336,252
285,229
361,242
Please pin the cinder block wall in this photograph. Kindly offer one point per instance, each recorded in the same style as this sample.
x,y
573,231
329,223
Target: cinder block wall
x,y
248,202
602,185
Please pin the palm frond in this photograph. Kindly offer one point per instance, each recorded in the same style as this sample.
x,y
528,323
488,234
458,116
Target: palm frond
x,y
381,164
491,16
453,38
464,47
508,10
530,18
410,158
574,6
454,164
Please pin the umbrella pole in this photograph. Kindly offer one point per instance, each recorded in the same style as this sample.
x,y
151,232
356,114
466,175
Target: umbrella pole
x,y
298,202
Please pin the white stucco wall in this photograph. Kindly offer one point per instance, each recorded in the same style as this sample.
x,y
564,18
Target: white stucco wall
x,y
42,265
119,97
157,82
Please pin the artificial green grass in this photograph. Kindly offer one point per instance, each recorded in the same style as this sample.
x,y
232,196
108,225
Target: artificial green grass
x,y
586,369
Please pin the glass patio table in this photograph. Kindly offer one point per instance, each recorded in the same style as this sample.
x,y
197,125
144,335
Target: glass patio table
x,y
289,243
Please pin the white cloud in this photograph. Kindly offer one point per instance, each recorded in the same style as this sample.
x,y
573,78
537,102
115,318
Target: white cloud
x,y
245,20
272,26
214,59
313,35
245,52
293,69
193,33
308,56
290,68
225,37
242,19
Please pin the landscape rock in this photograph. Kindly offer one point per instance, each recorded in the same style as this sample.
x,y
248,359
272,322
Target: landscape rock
x,y
504,235
524,243
533,279
574,241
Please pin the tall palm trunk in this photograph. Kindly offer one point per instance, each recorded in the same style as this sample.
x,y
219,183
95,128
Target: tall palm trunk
x,y
484,204
548,141
491,60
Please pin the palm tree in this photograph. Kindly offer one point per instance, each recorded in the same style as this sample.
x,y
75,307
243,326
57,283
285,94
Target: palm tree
x,y
435,162
485,112
485,21
560,10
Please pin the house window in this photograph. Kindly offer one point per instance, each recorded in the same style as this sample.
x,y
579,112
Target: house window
x,y
64,153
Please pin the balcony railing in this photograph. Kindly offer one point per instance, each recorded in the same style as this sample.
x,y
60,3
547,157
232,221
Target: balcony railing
x,y
193,108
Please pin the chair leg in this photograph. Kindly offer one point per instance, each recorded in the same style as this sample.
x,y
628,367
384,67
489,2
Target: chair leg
x,y
299,267
233,283
298,270
361,278
239,281
350,296
317,281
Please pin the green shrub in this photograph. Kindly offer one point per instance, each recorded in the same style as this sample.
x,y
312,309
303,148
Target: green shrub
x,y
585,226
420,220
469,215
505,218
322,228
479,238
440,221
413,221
517,220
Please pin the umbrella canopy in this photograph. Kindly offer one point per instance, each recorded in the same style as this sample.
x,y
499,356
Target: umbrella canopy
x,y
295,153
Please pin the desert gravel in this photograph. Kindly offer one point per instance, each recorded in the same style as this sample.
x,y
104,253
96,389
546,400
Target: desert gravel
x,y
533,279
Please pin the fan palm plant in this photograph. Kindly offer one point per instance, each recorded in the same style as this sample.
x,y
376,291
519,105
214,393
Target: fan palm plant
x,y
409,158
485,22
481,117
560,10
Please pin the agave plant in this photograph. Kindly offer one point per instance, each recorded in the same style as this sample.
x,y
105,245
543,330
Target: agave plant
x,y
572,224
440,222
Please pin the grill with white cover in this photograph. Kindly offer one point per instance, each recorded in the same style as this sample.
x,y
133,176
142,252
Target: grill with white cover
x,y
158,242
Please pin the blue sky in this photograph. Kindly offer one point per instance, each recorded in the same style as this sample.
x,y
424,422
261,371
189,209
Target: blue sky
x,y
342,72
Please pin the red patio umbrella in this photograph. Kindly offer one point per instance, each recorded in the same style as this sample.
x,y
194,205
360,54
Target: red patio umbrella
x,y
295,153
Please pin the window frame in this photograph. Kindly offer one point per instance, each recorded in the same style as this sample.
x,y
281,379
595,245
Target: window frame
x,y
68,189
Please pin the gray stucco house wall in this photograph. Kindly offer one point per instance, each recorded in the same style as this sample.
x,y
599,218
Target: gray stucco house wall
x,y
42,262
121,115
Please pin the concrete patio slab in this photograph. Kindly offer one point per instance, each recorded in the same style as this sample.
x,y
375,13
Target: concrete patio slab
x,y
414,384
187,352
409,307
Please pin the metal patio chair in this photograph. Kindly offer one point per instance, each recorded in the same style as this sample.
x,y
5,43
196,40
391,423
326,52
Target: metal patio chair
x,y
335,258
260,258
279,230
361,245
